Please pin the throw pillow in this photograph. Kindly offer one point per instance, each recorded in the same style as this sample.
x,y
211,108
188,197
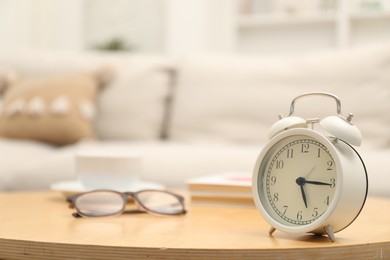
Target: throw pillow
x,y
7,77
57,110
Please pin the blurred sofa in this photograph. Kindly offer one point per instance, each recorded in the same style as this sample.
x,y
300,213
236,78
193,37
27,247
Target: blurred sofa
x,y
203,114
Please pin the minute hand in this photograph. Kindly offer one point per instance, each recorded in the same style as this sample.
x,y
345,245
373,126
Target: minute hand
x,y
317,183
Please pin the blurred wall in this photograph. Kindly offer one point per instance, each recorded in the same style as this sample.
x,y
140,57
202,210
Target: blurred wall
x,y
40,24
80,24
175,27
139,22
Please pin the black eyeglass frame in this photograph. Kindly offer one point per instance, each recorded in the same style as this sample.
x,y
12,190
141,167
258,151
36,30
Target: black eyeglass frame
x,y
71,200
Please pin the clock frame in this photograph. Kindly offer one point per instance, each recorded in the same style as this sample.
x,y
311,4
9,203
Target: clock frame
x,y
350,181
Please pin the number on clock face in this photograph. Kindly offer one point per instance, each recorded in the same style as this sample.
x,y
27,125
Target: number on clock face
x,y
298,181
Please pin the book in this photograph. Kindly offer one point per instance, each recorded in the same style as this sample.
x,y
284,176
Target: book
x,y
229,188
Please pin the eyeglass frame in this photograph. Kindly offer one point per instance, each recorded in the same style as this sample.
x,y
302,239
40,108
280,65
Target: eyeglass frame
x,y
71,200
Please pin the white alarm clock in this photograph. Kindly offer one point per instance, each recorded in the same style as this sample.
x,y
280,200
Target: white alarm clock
x,y
305,181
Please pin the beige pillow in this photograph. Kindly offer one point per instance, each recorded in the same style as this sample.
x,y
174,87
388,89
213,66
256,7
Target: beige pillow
x,y
57,110
7,77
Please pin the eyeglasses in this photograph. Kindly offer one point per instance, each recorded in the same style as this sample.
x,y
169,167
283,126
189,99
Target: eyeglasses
x,y
101,203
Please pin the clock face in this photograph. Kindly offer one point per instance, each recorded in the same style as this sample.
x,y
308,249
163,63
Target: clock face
x,y
297,180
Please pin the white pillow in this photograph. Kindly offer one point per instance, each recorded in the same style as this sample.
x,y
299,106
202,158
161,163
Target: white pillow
x,y
238,98
133,105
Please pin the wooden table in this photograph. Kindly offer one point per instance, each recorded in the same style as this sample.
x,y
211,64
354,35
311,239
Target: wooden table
x,y
40,226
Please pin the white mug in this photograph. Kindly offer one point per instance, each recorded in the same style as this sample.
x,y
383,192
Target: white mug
x,y
108,170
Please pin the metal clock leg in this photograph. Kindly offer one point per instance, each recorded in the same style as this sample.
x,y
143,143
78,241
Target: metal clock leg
x,y
329,231
271,230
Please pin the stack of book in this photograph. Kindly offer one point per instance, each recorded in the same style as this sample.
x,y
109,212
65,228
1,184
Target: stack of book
x,y
230,188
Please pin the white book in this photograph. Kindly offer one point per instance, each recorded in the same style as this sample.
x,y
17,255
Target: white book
x,y
227,189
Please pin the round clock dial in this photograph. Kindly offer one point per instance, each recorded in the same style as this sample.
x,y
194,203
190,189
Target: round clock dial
x,y
297,180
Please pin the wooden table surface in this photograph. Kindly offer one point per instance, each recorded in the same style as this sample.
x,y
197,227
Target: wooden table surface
x,y
39,225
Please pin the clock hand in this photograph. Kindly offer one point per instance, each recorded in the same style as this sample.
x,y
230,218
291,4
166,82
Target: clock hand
x,y
303,195
318,183
310,172
301,181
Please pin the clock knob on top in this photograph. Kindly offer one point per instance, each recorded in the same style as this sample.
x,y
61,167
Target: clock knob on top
x,y
286,123
342,129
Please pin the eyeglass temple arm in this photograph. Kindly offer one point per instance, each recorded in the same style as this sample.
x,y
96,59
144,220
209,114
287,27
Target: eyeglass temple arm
x,y
130,211
76,215
71,206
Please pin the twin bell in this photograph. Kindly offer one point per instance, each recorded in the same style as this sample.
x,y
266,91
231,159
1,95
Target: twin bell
x,y
339,126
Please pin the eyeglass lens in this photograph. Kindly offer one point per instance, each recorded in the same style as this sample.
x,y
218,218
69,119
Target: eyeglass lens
x,y
160,202
99,203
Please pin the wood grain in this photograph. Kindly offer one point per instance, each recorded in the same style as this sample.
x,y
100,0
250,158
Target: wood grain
x,y
40,226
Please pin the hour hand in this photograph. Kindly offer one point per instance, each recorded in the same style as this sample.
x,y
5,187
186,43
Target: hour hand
x,y
303,195
301,181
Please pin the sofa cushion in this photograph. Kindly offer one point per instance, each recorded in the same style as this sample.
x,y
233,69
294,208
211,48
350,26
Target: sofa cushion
x,y
32,165
238,98
58,110
131,107
168,163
